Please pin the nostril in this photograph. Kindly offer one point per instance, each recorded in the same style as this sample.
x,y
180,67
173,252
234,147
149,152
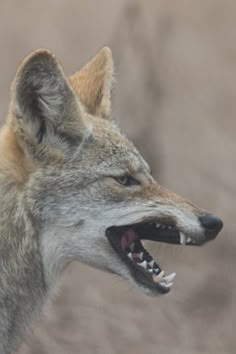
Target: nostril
x,y
211,222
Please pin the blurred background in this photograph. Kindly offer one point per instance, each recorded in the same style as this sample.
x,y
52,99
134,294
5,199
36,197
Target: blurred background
x,y
175,96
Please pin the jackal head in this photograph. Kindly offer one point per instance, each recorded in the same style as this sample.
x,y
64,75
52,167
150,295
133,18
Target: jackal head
x,y
89,191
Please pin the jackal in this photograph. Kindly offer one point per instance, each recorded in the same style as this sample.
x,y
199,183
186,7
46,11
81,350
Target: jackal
x,y
73,187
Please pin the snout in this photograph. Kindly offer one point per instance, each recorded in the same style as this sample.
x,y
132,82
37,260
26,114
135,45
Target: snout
x,y
212,225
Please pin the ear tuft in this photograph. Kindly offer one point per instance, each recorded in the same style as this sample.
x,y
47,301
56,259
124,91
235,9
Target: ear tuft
x,y
93,84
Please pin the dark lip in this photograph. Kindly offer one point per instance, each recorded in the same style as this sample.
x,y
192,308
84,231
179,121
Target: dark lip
x,y
148,231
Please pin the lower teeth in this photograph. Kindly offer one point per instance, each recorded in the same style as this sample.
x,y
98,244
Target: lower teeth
x,y
151,267
165,281
143,264
156,271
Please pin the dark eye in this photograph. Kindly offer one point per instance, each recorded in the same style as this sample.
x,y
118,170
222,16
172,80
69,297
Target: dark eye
x,y
127,181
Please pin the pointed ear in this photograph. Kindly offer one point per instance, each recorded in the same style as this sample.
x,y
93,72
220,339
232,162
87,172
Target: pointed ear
x,y
44,105
93,84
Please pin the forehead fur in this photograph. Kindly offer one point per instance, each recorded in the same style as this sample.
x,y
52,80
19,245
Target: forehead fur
x,y
106,145
113,148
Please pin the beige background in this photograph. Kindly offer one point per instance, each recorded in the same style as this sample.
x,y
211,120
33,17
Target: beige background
x,y
176,97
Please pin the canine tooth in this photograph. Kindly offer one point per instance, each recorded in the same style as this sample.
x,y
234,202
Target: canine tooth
x,y
150,270
143,264
130,255
170,277
182,238
158,225
159,277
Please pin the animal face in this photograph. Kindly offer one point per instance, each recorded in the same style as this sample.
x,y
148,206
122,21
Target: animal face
x,y
90,192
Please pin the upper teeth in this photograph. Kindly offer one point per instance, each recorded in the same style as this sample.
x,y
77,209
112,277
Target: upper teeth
x,y
189,239
183,238
163,227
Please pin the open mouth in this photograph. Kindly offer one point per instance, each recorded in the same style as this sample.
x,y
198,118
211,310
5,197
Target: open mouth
x,y
127,243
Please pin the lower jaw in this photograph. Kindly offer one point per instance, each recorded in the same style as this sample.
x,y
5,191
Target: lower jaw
x,y
143,269
127,243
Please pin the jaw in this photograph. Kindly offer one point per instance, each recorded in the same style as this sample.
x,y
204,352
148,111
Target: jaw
x,y
127,243
121,251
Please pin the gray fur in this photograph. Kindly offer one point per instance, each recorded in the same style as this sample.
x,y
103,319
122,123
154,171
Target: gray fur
x,y
60,212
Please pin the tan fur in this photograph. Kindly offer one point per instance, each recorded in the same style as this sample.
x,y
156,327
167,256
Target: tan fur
x,y
13,161
70,183
93,82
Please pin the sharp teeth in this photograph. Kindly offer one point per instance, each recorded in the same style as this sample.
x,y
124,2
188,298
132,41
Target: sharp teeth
x,y
132,246
159,277
130,255
140,256
143,264
150,270
170,277
158,225
156,270
166,285
151,264
182,238
166,282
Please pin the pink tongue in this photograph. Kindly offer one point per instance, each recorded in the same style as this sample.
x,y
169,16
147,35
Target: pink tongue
x,y
127,238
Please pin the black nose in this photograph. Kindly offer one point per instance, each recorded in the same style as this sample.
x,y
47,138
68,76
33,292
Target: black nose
x,y
212,224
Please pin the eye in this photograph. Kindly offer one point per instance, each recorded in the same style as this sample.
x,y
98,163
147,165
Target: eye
x,y
127,181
